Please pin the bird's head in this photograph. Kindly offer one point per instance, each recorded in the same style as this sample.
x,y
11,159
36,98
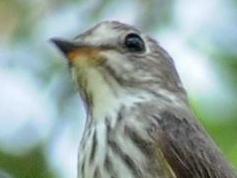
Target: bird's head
x,y
113,58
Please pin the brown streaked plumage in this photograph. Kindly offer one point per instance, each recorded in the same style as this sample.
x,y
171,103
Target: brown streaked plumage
x,y
139,122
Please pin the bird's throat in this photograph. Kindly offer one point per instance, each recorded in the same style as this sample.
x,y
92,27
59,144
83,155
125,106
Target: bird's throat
x,y
101,98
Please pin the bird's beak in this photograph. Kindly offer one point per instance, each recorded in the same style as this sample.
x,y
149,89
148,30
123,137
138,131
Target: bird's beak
x,y
79,51
65,46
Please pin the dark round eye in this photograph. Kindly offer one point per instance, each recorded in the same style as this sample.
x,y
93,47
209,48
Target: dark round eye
x,y
134,43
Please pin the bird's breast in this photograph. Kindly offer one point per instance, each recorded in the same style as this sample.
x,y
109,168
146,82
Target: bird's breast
x,y
123,149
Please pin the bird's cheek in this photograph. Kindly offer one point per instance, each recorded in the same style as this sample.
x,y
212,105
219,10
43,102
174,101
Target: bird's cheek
x,y
118,61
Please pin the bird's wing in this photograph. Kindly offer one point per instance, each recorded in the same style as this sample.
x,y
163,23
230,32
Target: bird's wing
x,y
188,150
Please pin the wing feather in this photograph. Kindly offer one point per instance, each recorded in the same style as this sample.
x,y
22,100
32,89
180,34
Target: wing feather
x,y
188,149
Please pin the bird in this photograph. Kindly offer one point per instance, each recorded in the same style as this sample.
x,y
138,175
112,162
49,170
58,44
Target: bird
x,y
139,121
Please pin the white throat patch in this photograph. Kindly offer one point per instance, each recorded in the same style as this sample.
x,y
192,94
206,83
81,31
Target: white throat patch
x,y
108,99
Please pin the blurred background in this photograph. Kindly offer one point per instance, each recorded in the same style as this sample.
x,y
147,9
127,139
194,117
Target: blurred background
x,y
41,114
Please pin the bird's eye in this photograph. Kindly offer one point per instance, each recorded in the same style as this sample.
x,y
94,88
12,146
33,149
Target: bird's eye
x,y
134,43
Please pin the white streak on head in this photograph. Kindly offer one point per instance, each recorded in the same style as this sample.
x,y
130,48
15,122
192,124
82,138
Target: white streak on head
x,y
103,32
